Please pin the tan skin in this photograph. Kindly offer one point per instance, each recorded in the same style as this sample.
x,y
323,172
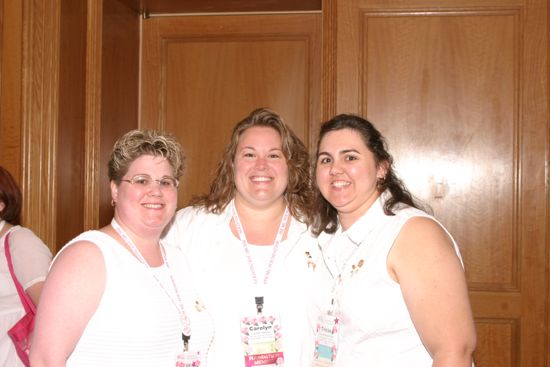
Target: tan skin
x,y
34,290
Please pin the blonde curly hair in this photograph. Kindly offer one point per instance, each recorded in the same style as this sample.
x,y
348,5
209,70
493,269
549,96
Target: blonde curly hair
x,y
136,143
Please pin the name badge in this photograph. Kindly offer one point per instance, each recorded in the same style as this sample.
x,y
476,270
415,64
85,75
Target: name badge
x,y
262,341
326,341
188,359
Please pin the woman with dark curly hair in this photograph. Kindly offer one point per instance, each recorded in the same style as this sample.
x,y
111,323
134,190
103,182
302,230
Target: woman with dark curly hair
x,y
249,247
391,290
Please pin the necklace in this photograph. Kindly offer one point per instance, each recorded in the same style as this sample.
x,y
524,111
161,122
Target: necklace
x,y
186,335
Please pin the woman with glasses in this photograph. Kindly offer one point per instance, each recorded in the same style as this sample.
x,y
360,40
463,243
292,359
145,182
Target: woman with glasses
x,y
115,296
249,246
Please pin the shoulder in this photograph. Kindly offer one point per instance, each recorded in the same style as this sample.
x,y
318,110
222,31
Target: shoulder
x,y
191,216
423,241
19,233
23,240
79,250
78,263
190,225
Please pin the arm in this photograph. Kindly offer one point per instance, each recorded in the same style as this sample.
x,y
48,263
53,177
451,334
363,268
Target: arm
x,y
423,261
34,292
71,294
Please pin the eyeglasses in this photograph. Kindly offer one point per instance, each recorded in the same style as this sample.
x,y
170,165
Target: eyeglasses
x,y
146,181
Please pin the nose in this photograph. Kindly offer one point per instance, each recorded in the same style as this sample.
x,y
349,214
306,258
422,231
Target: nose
x,y
335,169
155,188
261,162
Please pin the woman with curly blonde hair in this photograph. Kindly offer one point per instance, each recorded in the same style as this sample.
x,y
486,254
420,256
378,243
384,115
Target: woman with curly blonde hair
x,y
249,246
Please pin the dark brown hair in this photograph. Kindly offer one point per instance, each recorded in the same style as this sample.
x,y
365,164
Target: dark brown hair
x,y
326,216
10,195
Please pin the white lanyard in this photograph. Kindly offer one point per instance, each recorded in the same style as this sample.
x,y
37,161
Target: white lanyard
x,y
179,304
278,238
2,222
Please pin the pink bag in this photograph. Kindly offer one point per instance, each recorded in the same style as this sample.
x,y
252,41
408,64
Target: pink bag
x,y
21,332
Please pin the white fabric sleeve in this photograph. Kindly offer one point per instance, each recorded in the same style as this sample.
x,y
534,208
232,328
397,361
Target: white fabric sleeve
x,y
178,227
30,257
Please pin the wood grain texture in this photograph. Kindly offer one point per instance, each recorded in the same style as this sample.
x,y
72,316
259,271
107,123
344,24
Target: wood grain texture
x,y
119,90
92,131
70,176
40,80
454,89
10,85
219,6
202,75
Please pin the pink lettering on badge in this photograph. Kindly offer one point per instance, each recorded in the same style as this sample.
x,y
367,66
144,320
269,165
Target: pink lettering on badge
x,y
267,359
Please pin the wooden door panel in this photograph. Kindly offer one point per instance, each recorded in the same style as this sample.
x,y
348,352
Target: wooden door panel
x,y
497,340
440,73
203,74
448,87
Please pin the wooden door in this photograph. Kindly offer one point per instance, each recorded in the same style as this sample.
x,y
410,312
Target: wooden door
x,y
460,90
202,74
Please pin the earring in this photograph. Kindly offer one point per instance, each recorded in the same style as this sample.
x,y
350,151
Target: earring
x,y
113,202
380,181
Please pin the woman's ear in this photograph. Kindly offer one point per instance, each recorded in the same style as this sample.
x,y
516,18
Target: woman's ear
x,y
2,206
114,191
382,170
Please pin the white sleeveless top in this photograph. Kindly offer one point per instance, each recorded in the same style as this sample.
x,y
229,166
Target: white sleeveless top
x,y
136,323
376,328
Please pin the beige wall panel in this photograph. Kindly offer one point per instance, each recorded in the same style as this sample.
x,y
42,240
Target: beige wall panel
x,y
442,90
198,85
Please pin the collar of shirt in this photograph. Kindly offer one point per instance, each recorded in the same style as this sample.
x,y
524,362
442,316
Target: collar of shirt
x,y
359,231
294,233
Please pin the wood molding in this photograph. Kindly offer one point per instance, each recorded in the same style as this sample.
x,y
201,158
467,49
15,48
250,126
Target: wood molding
x,y
329,59
41,31
93,113
10,86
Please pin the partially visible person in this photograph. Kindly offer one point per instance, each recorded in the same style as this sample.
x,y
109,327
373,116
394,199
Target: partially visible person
x,y
391,291
30,258
248,244
115,296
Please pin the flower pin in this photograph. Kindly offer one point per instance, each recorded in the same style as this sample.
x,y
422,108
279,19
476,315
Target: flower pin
x,y
310,263
355,268
199,305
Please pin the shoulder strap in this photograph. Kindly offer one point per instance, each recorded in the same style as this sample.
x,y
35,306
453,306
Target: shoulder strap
x,y
25,299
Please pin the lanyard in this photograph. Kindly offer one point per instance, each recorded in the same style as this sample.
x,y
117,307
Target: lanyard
x,y
2,222
259,300
186,335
